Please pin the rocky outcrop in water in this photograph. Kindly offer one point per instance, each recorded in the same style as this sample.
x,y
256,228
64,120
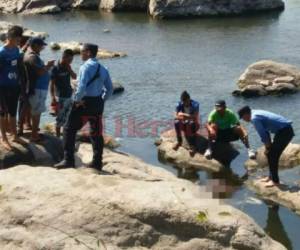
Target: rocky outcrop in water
x,y
181,8
76,46
4,26
290,158
288,196
132,205
223,153
115,5
268,78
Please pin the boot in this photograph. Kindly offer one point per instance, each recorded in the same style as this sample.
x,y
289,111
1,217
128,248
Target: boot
x,y
65,164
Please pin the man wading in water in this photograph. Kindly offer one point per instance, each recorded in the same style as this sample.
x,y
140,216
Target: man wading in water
x,y
265,123
88,106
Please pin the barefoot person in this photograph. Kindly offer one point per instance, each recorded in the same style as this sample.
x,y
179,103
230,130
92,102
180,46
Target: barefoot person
x,y
224,126
265,123
39,82
187,121
88,107
60,87
10,85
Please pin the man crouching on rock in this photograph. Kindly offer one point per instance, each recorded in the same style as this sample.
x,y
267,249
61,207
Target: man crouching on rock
x,y
187,120
88,106
224,126
265,123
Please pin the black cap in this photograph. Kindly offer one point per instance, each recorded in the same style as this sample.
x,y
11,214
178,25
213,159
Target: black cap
x,y
220,103
243,111
37,41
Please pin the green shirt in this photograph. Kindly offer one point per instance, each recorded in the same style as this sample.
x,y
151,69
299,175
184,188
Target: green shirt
x,y
229,119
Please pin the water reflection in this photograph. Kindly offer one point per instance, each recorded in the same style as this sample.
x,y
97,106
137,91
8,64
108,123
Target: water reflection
x,y
275,228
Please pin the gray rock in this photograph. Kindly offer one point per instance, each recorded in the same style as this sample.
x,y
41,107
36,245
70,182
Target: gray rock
x,y
175,8
223,154
288,196
76,47
253,90
118,5
86,4
4,26
290,158
270,71
132,206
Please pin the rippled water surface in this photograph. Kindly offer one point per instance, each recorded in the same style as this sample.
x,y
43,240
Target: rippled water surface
x,y
203,56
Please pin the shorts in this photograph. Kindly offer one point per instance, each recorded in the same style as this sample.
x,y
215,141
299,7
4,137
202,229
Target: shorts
x,y
64,109
9,98
227,135
38,101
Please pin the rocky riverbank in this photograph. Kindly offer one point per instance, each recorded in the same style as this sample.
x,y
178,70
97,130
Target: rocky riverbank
x,y
132,205
156,8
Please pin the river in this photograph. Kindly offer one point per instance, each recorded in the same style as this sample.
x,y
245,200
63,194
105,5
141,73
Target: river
x,y
204,56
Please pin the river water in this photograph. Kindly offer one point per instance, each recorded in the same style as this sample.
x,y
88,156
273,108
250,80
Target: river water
x,y
204,56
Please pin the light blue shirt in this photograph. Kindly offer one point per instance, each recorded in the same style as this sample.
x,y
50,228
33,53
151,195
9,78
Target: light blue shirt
x,y
266,122
101,86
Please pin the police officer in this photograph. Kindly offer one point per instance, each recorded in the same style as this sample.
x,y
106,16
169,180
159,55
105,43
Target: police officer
x,y
88,106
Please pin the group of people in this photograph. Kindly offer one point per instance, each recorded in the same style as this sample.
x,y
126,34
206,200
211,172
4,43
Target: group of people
x,y
24,83
223,125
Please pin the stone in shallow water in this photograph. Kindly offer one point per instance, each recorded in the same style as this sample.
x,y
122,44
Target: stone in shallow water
x,y
288,196
289,159
223,155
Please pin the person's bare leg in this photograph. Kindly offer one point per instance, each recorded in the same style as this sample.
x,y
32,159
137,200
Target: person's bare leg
x,y
58,132
3,128
35,128
242,133
13,129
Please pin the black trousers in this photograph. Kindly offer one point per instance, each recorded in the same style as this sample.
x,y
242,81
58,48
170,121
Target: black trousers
x,y
189,129
91,113
281,139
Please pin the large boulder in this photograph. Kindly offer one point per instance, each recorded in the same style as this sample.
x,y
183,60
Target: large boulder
x,y
115,5
76,47
86,4
4,26
223,154
288,196
131,206
30,6
268,78
290,158
177,8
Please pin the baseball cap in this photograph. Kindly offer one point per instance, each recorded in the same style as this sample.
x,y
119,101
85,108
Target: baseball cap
x,y
37,41
220,104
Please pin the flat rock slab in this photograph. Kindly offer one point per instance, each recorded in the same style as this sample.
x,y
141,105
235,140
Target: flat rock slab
x,y
288,196
290,158
222,156
132,206
47,152
76,47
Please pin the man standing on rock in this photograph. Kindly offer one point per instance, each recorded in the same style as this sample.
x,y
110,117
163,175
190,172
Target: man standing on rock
x,y
61,88
10,61
224,126
88,106
187,120
39,79
265,123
